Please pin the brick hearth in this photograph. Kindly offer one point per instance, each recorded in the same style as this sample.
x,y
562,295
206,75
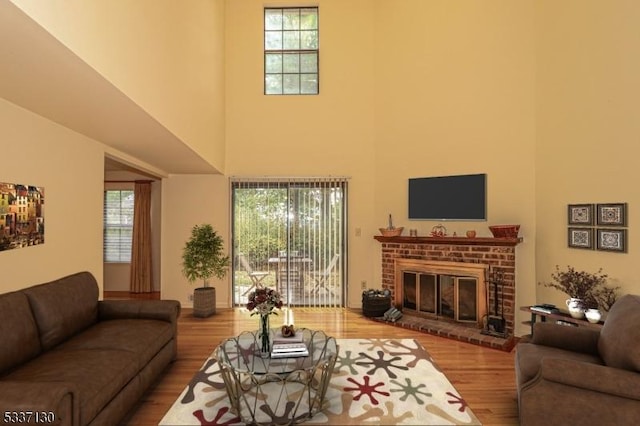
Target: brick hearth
x,y
498,253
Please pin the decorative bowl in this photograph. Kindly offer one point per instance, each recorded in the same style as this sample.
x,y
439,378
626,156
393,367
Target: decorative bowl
x,y
593,315
391,232
505,231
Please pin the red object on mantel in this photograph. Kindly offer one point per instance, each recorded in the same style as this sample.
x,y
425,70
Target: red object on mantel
x,y
505,231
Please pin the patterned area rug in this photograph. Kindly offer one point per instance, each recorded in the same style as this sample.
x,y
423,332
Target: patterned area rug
x,y
375,381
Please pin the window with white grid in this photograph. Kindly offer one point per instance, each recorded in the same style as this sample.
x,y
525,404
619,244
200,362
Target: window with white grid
x,y
291,51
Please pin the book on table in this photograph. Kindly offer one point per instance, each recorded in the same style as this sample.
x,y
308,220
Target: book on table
x,y
545,308
279,338
288,350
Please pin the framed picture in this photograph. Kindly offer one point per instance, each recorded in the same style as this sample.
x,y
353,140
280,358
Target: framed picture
x,y
612,240
581,238
612,214
580,214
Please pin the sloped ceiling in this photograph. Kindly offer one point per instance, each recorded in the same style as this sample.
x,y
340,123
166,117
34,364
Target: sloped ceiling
x,y
40,74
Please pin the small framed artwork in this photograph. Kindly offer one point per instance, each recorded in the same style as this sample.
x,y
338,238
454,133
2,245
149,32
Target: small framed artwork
x,y
612,214
581,238
580,214
612,240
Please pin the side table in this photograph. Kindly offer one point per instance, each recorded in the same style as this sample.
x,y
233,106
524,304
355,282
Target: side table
x,y
558,316
266,391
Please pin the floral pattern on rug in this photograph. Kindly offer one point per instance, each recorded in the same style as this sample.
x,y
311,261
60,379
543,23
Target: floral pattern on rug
x,y
375,381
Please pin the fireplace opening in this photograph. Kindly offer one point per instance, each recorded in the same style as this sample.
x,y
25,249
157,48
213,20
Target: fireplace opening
x,y
452,291
446,296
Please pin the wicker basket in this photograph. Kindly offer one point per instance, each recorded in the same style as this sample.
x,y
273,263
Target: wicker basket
x,y
204,302
375,306
505,231
391,232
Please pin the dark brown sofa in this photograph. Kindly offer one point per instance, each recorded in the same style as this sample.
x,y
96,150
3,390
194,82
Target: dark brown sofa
x,y
582,376
67,355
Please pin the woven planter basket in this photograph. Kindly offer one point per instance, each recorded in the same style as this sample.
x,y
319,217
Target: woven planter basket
x,y
204,302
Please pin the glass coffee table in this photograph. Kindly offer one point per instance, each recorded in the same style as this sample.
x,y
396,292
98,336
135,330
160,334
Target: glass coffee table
x,y
276,391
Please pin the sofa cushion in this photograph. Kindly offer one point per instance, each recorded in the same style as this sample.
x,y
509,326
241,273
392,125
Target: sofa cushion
x,y
619,343
142,337
20,341
95,376
64,307
529,359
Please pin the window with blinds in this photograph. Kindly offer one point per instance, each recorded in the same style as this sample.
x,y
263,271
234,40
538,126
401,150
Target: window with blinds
x,y
118,225
290,234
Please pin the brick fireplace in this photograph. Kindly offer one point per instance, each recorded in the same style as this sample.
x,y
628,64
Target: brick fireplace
x,y
482,258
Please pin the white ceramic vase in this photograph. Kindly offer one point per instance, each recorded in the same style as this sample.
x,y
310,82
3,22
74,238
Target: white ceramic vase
x,y
593,315
575,307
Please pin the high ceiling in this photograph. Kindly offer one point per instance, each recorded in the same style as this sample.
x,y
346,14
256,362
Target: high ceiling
x,y
40,74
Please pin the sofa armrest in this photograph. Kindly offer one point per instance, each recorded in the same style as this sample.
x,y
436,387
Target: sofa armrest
x,y
575,339
164,310
18,399
593,377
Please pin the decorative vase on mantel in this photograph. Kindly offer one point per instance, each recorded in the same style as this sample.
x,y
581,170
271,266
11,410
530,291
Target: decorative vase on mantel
x,y
576,307
263,336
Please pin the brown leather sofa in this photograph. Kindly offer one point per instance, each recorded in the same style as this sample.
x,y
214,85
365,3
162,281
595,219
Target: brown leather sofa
x,y
68,357
582,376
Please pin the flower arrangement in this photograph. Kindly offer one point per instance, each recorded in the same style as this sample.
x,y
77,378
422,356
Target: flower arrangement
x,y
590,288
263,301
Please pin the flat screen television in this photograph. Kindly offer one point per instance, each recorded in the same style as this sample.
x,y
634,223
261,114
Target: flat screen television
x,y
462,197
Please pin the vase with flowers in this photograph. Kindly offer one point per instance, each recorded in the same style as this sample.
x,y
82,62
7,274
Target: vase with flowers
x,y
263,302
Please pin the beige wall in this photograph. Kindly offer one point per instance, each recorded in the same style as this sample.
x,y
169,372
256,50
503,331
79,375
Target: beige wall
x,y
401,95
166,57
588,95
328,134
69,166
189,200
455,95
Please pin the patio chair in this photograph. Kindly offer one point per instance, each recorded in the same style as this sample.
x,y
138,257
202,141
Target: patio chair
x,y
320,278
255,276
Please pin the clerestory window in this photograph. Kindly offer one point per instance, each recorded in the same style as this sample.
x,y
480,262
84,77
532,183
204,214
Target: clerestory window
x,y
291,51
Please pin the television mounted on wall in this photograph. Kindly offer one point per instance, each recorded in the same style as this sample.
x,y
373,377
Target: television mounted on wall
x,y
461,197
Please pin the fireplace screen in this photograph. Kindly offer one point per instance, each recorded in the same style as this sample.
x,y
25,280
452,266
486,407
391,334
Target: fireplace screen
x,y
441,295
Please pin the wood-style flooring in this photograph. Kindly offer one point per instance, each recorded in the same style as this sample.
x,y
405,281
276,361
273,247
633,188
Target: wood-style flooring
x,y
484,377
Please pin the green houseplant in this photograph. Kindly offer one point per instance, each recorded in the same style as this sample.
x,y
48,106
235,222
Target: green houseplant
x,y
203,257
590,288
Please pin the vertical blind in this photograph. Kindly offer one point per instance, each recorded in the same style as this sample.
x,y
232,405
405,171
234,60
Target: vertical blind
x,y
118,225
293,229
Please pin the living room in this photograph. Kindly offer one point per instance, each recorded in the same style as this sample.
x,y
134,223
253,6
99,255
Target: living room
x,y
540,95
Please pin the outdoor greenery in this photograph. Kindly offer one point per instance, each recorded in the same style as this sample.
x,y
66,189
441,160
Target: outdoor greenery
x,y
295,219
203,255
591,288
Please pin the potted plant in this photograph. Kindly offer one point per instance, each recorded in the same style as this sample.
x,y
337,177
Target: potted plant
x,y
203,257
586,290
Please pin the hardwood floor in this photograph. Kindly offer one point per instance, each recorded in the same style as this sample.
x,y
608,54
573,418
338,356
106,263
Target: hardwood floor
x,y
484,377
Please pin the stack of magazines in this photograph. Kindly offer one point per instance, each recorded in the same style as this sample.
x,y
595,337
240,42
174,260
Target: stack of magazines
x,y
545,308
288,347
289,350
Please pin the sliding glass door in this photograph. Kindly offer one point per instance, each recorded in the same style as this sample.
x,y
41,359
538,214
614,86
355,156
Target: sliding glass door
x,y
289,234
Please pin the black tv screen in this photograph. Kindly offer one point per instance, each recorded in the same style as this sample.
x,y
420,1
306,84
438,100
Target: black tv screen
x,y
462,197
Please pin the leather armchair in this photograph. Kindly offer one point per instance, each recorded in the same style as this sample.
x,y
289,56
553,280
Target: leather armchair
x,y
569,375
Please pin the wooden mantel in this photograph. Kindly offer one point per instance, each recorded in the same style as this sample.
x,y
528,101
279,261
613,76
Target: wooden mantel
x,y
482,241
